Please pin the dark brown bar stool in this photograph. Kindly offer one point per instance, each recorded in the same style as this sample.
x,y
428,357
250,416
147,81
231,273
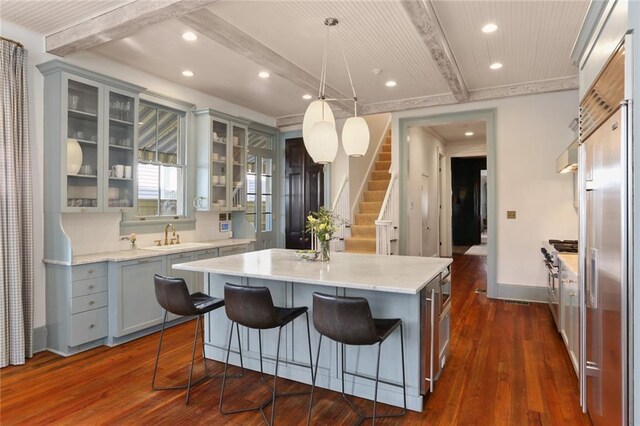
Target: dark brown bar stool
x,y
348,321
173,295
252,307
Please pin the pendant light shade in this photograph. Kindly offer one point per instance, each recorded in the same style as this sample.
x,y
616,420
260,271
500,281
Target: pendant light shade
x,y
316,111
355,137
323,142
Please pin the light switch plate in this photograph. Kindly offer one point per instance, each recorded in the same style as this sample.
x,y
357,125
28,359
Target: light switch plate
x,y
511,214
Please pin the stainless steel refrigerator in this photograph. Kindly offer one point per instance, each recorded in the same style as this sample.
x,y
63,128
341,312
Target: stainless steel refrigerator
x,y
605,246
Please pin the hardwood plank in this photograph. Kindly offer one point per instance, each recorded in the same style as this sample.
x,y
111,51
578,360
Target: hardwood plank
x,y
507,366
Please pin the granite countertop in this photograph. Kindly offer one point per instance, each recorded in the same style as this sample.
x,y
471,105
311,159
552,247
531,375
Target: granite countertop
x,y
396,274
132,254
570,260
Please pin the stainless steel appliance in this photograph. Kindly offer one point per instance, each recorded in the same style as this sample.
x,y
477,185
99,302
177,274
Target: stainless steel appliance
x,y
435,329
550,250
605,254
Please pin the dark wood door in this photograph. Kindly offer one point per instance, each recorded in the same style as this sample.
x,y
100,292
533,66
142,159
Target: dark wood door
x,y
304,192
466,221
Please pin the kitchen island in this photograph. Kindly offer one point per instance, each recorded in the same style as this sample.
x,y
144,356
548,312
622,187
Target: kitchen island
x,y
410,288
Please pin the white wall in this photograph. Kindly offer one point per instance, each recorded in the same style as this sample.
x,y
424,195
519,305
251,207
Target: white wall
x,y
531,131
84,234
424,148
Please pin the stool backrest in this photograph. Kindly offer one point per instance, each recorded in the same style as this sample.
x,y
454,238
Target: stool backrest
x,y
173,295
250,306
344,319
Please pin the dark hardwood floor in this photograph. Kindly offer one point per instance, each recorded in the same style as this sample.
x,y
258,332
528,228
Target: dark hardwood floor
x,y
507,366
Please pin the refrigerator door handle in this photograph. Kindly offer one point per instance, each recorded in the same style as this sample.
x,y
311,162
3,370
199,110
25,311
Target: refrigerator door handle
x,y
593,279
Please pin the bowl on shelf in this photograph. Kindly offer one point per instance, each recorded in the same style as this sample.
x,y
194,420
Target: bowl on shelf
x,y
308,255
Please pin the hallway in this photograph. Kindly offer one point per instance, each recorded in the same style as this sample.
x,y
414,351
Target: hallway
x,y
507,366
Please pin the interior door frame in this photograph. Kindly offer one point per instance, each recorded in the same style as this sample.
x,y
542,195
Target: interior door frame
x,y
489,117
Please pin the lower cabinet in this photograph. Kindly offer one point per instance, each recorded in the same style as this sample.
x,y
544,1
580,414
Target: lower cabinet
x,y
189,277
199,276
132,299
570,315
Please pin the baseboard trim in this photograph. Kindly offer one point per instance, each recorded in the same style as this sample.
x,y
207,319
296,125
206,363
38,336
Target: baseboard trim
x,y
39,339
524,293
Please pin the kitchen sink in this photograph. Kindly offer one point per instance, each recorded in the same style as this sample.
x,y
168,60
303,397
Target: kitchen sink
x,y
180,246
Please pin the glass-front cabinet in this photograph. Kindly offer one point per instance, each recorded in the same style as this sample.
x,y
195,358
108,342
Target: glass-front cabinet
x,y
90,140
120,161
83,159
221,162
260,176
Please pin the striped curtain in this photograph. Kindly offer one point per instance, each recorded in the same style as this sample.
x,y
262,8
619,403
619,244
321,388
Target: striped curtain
x,y
16,210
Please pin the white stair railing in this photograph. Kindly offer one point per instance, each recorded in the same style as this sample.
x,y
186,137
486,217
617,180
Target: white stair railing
x,y
387,223
341,208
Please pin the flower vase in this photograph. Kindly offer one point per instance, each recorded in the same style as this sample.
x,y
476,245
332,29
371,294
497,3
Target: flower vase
x,y
325,254
133,245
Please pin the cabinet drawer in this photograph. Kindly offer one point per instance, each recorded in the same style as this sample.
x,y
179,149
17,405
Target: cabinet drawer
x,y
89,286
91,301
90,270
228,251
88,326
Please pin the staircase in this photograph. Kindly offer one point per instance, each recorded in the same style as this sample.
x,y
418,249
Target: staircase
x,y
363,229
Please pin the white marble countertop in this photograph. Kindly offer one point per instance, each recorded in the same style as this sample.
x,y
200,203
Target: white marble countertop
x,y
570,260
132,254
396,274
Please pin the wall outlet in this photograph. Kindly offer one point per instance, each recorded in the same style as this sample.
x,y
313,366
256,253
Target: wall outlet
x,y
511,214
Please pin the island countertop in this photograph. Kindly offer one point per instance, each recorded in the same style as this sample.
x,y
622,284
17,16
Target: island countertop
x,y
396,274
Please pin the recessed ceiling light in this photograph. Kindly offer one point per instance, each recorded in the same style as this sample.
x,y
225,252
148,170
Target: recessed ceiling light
x,y
489,28
187,73
263,74
189,36
468,133
390,83
495,66
306,97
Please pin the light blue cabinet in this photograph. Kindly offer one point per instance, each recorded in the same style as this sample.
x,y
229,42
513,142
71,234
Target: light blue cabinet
x,y
132,300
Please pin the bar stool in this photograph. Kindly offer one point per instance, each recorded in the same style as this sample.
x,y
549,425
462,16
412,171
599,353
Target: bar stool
x,y
348,321
173,295
252,307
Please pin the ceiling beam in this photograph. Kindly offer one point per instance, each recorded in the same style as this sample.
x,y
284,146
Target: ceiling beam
x,y
532,88
118,23
426,22
217,29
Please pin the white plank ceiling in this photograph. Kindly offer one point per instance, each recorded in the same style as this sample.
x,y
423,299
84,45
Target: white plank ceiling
x,y
533,41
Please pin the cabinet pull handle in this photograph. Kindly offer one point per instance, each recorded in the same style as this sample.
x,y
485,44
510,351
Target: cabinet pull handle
x,y
92,326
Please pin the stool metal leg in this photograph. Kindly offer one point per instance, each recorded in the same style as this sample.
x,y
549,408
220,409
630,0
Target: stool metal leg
x,y
375,393
155,368
314,375
193,357
275,378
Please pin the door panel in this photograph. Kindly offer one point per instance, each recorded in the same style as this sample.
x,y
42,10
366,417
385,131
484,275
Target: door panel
x,y
465,187
304,192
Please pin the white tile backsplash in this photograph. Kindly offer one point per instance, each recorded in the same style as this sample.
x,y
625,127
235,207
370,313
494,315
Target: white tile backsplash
x,y
100,232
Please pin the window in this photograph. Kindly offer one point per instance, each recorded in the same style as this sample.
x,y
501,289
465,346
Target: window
x,y
161,161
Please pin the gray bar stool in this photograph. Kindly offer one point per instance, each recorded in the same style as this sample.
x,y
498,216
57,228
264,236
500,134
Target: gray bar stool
x,y
348,321
173,296
252,307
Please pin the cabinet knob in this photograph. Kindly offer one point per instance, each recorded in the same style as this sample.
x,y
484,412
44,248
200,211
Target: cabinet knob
x,y
91,287
91,302
92,326
90,271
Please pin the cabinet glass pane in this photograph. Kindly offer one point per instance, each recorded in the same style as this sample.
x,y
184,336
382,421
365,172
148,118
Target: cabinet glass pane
x,y
121,155
251,189
82,164
218,165
238,150
147,131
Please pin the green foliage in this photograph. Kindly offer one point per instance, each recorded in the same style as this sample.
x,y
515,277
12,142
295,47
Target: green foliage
x,y
323,223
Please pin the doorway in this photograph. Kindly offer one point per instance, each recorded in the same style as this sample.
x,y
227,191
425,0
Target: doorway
x,y
454,145
304,192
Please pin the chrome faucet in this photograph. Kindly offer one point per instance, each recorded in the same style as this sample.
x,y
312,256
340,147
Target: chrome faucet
x,y
166,232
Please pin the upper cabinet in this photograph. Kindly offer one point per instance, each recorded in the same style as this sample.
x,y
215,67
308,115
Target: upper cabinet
x,y
221,162
90,140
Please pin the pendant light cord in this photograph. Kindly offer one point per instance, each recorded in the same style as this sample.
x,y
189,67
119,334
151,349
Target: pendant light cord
x,y
346,64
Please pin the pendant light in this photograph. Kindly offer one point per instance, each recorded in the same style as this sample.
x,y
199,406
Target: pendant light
x,y
318,125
